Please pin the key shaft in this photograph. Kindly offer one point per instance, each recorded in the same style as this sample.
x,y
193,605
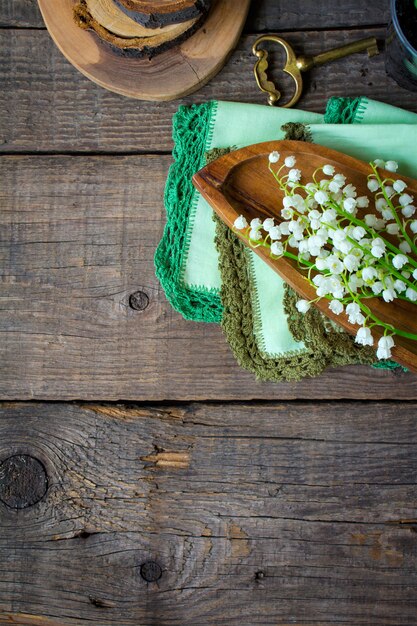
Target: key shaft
x,y
305,63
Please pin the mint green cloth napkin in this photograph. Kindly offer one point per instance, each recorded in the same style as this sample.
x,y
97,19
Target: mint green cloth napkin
x,y
186,259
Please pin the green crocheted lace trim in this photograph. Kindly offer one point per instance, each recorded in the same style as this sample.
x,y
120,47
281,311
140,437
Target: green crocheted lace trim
x,y
192,131
325,344
344,110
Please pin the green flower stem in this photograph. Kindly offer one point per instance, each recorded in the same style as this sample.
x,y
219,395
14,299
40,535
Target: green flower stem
x,y
314,175
369,230
263,244
283,187
365,295
365,309
390,204
403,333
383,263
294,257
390,269
377,321
276,174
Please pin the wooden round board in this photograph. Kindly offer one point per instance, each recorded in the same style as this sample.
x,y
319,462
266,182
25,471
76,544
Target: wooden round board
x,y
172,74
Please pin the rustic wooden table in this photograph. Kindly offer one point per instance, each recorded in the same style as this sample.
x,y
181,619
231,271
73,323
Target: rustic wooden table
x,y
145,479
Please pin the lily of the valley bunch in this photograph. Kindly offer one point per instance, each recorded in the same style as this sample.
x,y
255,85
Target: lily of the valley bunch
x,y
348,258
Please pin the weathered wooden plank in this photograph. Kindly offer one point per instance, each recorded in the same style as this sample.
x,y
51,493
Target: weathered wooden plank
x,y
265,14
250,514
78,238
20,14
49,106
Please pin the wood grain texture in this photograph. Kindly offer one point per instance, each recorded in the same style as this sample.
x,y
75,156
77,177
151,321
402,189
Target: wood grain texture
x,y
20,14
263,514
299,15
265,15
79,235
49,106
190,514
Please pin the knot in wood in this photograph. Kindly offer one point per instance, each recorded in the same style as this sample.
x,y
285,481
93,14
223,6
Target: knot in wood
x,y
23,481
139,300
150,571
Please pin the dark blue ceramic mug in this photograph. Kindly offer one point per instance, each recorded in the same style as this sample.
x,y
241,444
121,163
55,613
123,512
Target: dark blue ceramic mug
x,y
401,44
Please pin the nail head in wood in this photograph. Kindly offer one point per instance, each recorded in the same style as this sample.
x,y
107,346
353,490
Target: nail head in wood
x,y
23,481
150,571
139,300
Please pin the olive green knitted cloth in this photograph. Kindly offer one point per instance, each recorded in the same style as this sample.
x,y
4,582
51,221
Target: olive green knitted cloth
x,y
322,344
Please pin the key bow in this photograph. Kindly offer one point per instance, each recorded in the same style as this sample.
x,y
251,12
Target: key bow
x,y
295,65
291,67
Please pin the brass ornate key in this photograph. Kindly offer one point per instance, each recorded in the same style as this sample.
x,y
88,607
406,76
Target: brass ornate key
x,y
295,65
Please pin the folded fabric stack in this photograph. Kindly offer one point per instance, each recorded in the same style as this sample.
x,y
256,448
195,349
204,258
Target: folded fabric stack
x,y
141,28
209,275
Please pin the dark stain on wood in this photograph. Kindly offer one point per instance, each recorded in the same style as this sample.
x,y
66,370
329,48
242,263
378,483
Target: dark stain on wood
x,y
150,571
139,300
23,481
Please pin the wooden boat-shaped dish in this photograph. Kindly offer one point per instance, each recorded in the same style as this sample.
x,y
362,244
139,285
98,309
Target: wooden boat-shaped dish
x,y
240,183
